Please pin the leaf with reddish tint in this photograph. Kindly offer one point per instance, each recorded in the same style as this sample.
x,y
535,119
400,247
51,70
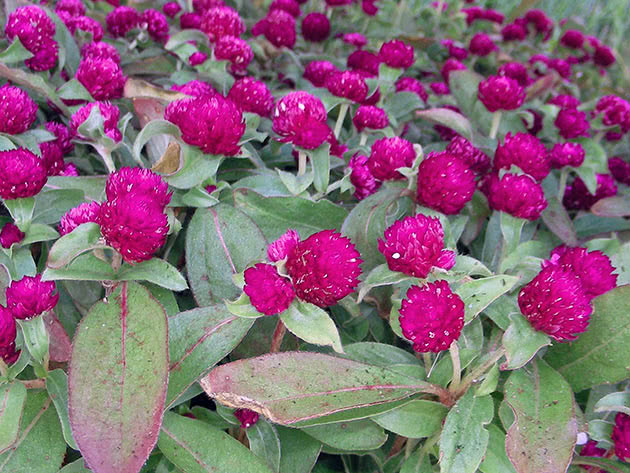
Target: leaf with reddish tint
x,y
199,339
618,206
291,387
220,242
543,435
448,118
60,345
117,380
558,221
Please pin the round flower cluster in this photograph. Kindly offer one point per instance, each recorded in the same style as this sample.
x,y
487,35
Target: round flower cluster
x,y
36,31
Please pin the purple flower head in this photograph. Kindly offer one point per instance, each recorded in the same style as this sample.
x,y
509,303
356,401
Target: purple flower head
x,y
315,27
87,25
355,39
525,151
361,177
501,93
171,9
289,6
8,332
30,297
615,111
221,21
514,32
122,20
449,66
364,61
156,24
482,45
347,84
603,56
103,78
518,195
565,101
73,8
318,71
396,54
190,21
389,154
300,118
200,6
140,183
110,114
235,50
621,436
17,110
36,32
197,58
476,159
246,417
410,84
252,96
370,117
195,88
278,27
22,174
516,71
84,213
10,234
572,123
280,249
619,169
268,292
577,196
99,51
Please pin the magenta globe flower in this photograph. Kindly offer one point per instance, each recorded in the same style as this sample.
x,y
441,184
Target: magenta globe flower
x,y
572,123
110,114
389,154
300,118
8,333
370,117
22,174
318,71
17,110
476,159
554,302
190,21
324,268
501,93
449,66
156,24
621,436
201,6
235,50
415,245
246,417
525,151
278,27
268,292
481,45
252,96
315,27
221,21
87,25
140,183
410,84
10,234
122,20
566,154
396,54
84,213
73,8
171,9
280,249
516,71
445,183
619,169
364,61
99,51
578,197
36,32
197,58
361,177
103,78
289,6
519,195
432,317
347,84
195,88
355,39
212,123
30,297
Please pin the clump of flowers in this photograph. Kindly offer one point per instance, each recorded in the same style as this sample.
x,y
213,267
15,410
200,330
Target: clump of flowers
x,y
36,32
389,154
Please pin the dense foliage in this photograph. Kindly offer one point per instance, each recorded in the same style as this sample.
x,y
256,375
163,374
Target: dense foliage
x,y
312,236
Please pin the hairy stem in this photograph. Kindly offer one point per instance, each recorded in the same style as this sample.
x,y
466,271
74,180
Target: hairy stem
x,y
301,163
496,121
278,336
342,115
457,366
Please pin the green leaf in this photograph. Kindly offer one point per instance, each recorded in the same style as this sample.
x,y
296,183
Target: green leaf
x,y
418,462
197,447
618,206
75,467
470,266
34,82
183,37
35,338
220,241
15,53
521,342
299,451
118,379
368,220
85,237
464,85
57,386
52,204
196,169
311,324
74,90
595,162
265,443
480,293
607,464
275,215
618,402
21,209
511,228
39,232
320,160
199,339
558,221
357,435
380,276
86,267
295,184
12,398
151,129
448,118
496,460
544,432
275,386
242,307
417,419
92,187
464,439
379,354
40,446
155,270
600,354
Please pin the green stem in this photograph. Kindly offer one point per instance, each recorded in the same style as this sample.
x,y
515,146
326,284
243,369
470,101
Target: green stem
x,y
457,366
342,115
301,163
106,155
278,336
479,371
564,174
496,121
363,139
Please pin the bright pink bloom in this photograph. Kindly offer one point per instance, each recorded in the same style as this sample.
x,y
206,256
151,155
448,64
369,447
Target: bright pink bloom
x,y
171,9
389,154
603,56
36,32
122,20
449,66
572,123
30,297
565,101
246,417
213,123
562,67
87,25
476,159
615,110
619,169
52,156
235,50
201,6
542,23
289,6
439,88
371,117
493,16
69,170
432,317
361,178
221,21
22,174
514,32
501,93
482,45
10,234
516,71
110,114
8,332
318,71
280,249
415,245
347,84
621,436
156,24
99,51
592,267
364,61
577,196
338,3
518,195
555,303
252,96
454,51
268,292
324,268
71,7
355,39
278,27
396,54
103,78
17,110
197,58
566,154
195,88
64,137
592,450
300,118
140,183
84,213
445,182
190,21
315,27
410,84
525,151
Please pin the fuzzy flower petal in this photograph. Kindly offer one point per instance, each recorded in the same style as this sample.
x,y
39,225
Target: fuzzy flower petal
x,y
84,213
268,292
280,249
30,297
